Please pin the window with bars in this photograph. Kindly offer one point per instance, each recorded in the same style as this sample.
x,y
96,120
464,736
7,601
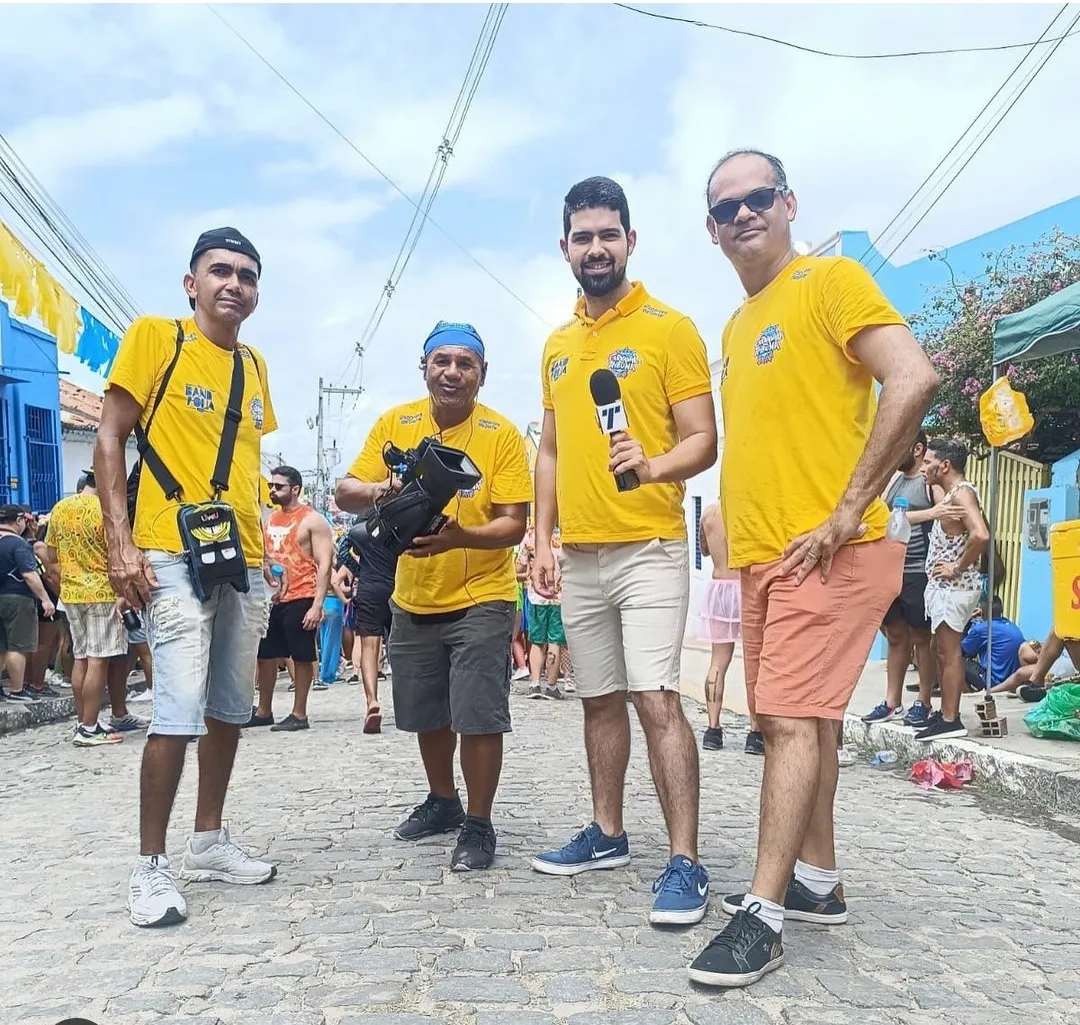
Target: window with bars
x,y
42,458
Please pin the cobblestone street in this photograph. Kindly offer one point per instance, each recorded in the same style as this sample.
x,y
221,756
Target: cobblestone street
x,y
957,913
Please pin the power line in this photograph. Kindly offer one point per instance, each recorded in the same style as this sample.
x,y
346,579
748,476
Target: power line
x,y
477,66
831,53
974,121
982,142
382,174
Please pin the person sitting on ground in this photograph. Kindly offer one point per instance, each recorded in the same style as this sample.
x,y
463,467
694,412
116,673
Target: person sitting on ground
x,y
1009,649
1031,681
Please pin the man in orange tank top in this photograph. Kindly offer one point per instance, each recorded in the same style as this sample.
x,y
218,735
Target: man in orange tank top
x,y
299,540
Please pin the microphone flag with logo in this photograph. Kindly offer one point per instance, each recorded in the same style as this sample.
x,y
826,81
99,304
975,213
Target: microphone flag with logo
x,y
611,416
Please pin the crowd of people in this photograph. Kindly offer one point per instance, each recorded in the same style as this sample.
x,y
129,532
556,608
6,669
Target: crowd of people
x,y
946,616
60,627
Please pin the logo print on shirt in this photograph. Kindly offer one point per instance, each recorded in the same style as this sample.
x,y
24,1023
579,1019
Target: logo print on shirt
x,y
652,311
257,414
768,344
199,398
488,425
724,369
800,274
276,535
623,362
558,368
411,418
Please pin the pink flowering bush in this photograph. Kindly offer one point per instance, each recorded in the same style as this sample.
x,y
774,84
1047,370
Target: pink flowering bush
x,y
955,328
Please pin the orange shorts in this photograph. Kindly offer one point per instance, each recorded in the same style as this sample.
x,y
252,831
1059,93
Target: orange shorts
x,y
805,647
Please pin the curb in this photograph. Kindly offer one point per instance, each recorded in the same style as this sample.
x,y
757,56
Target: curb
x,y
16,717
1051,786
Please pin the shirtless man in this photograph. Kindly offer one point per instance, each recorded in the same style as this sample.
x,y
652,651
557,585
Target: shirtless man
x,y
298,539
720,616
955,584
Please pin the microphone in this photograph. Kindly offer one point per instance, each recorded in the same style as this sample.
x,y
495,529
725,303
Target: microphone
x,y
604,386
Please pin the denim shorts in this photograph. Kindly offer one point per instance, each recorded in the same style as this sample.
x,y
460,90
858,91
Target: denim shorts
x,y
204,652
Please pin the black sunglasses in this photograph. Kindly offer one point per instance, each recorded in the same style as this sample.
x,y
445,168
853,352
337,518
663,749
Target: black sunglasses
x,y
758,201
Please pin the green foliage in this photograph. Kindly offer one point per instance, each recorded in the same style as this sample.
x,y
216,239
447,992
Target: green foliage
x,y
955,328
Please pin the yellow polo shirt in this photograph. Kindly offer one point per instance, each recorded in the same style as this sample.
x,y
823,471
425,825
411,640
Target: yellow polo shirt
x,y
797,405
660,360
187,427
462,577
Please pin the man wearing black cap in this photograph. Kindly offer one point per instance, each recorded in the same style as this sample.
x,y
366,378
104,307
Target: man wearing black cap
x,y
455,592
171,383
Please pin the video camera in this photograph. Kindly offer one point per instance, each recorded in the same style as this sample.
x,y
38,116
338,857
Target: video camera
x,y
430,474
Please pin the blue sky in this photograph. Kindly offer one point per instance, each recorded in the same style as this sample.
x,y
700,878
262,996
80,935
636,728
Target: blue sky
x,y
151,123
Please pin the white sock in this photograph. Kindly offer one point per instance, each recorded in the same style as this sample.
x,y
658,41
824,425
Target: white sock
x,y
819,881
771,913
202,842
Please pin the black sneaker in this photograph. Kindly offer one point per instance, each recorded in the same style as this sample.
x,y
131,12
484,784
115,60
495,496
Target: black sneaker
x,y
259,720
801,905
755,743
290,724
21,697
713,739
745,951
475,848
436,815
1032,693
940,728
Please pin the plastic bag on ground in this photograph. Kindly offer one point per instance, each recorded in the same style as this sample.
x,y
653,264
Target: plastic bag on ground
x,y
1057,716
943,775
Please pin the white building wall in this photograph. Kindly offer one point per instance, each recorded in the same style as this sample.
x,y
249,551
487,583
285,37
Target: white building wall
x,y
77,455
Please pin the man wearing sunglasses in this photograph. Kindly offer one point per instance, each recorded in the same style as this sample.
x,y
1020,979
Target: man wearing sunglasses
x,y
808,450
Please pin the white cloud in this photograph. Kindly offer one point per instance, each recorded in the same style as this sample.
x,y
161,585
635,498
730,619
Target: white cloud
x,y
571,90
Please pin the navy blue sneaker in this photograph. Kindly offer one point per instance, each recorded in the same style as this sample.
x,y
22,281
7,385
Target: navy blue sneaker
x,y
586,850
918,715
883,713
682,893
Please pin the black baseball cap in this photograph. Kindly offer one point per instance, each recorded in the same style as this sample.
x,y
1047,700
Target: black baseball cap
x,y
225,238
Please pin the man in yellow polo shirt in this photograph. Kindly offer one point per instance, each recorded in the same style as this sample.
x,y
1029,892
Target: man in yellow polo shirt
x,y
808,450
455,592
624,559
172,380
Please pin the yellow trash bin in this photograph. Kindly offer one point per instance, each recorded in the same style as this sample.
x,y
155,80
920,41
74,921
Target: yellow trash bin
x,y
1065,575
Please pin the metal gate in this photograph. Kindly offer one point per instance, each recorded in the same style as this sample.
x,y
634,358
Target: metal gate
x,y
42,458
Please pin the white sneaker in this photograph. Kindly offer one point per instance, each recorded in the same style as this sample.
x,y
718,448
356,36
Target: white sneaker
x,y
153,898
225,862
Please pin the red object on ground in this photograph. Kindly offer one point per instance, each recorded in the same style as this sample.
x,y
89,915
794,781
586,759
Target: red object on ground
x,y
943,775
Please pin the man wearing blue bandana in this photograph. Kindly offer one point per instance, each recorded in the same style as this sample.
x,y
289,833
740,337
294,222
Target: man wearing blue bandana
x,y
454,592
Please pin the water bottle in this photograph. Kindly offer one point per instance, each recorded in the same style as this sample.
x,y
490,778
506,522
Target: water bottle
x,y
899,529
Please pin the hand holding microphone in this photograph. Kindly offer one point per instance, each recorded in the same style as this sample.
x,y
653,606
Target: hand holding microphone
x,y
628,461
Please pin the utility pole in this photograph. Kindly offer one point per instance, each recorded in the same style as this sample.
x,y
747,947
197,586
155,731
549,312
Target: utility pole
x,y
322,475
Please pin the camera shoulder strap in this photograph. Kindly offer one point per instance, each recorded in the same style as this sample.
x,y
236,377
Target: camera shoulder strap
x,y
168,482
233,415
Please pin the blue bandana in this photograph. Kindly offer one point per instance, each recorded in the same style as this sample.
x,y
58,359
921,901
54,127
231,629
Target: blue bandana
x,y
447,332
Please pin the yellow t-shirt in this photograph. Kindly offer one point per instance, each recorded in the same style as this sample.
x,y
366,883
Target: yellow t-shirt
x,y
660,360
186,432
797,405
77,533
462,577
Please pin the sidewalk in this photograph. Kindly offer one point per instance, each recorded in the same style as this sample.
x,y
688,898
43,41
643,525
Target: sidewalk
x,y
1045,773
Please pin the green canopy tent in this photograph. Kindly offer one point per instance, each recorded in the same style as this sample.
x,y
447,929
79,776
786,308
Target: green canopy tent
x,y
1049,328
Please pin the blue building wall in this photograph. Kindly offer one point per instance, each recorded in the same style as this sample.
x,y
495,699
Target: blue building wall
x,y
30,467
909,285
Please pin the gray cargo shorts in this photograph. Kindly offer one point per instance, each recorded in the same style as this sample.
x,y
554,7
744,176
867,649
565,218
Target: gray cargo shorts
x,y
452,669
